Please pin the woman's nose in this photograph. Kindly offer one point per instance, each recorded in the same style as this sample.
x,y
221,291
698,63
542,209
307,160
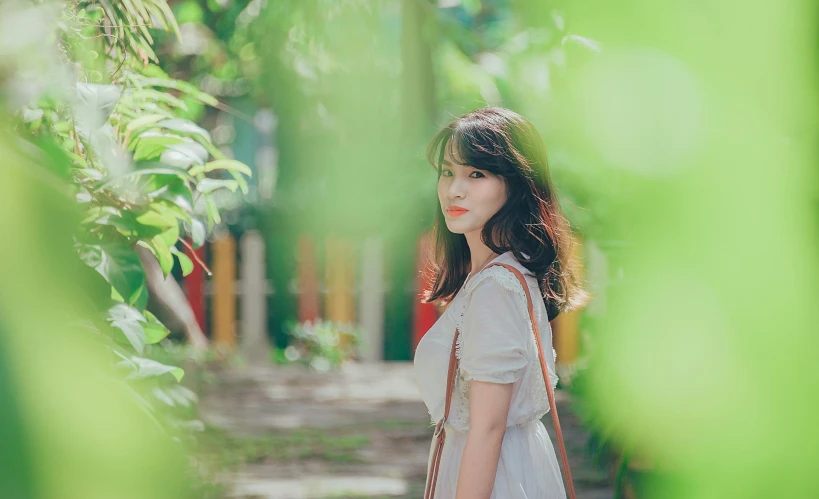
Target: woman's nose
x,y
456,190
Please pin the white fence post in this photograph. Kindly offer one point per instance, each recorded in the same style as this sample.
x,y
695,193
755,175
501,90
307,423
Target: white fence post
x,y
254,290
371,300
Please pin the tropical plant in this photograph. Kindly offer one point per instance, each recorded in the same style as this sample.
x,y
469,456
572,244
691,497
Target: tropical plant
x,y
141,172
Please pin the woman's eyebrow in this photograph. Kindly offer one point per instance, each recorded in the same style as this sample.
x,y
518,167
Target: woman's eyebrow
x,y
448,163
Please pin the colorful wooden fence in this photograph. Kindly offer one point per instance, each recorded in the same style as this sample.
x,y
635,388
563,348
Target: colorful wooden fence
x,y
351,292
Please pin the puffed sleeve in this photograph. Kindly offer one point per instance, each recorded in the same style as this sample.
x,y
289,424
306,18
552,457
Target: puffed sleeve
x,y
493,335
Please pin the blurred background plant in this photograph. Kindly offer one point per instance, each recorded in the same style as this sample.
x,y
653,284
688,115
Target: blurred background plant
x,y
321,344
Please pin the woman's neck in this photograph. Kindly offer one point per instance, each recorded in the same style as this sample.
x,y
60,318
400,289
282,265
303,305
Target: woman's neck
x,y
480,254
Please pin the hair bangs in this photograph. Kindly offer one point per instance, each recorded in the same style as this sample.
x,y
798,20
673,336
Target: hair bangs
x,y
482,147
437,147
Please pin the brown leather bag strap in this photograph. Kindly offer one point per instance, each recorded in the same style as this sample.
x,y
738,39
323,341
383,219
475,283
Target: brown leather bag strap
x,y
555,420
440,432
450,375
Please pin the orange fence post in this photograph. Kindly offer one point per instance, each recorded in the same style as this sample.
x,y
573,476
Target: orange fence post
x,y
307,272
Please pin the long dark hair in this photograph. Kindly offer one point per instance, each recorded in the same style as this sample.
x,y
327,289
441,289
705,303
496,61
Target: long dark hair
x,y
504,143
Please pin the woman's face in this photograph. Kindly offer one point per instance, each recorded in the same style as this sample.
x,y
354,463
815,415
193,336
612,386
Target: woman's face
x,y
469,197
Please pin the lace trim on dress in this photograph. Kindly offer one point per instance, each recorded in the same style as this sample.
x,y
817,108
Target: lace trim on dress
x,y
459,411
501,377
459,344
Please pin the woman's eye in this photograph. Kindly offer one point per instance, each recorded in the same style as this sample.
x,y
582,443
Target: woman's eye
x,y
447,173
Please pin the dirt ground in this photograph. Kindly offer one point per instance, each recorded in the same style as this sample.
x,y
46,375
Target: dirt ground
x,y
284,432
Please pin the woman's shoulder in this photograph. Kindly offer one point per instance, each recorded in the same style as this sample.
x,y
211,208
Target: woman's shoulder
x,y
494,283
499,275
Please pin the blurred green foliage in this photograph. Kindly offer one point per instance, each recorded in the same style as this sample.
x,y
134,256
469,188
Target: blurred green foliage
x,y
100,161
677,135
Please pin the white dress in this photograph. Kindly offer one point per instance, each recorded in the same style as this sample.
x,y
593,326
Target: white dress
x,y
496,344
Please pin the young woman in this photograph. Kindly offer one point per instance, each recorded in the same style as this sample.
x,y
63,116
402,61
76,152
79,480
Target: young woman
x,y
496,204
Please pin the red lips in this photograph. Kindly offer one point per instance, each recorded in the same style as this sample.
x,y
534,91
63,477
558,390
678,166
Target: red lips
x,y
456,211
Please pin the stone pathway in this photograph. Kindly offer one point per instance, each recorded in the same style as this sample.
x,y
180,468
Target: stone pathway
x,y
373,413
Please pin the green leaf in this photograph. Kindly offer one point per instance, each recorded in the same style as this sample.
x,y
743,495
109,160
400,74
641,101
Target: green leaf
x,y
116,296
30,114
185,87
130,321
149,168
142,122
184,127
123,221
184,262
170,210
214,151
149,95
163,254
156,219
162,396
151,145
170,236
161,170
173,190
100,212
155,331
79,160
169,18
154,71
198,233
185,154
147,246
94,104
222,164
120,266
181,395
142,299
211,184
146,232
240,179
213,213
92,173
147,368
165,216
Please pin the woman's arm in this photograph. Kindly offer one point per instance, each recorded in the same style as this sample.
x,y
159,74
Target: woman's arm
x,y
494,355
488,409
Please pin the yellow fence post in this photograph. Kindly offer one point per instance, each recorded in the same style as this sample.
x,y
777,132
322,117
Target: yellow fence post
x,y
566,328
224,294
340,279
